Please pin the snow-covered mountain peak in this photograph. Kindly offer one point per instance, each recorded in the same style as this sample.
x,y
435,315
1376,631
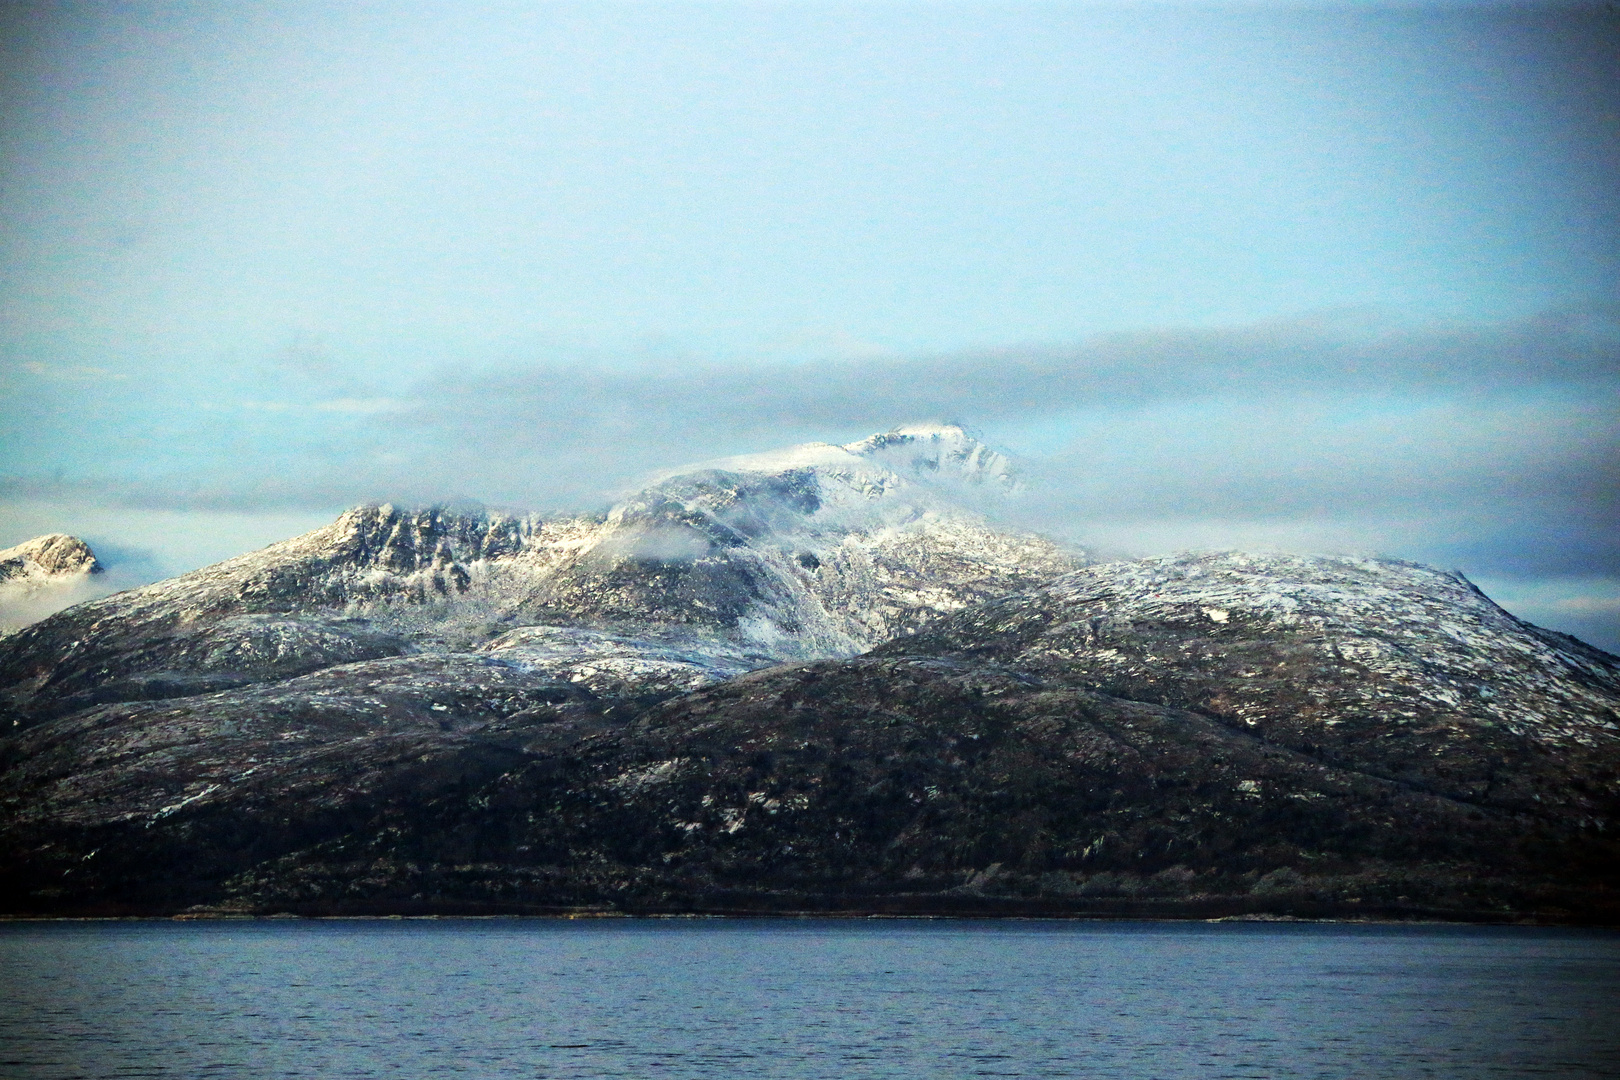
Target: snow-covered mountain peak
x,y
54,555
935,452
912,435
924,467
825,549
813,455
43,575
803,500
809,552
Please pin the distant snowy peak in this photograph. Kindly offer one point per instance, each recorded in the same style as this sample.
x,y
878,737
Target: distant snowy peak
x,y
47,558
43,575
927,464
916,452
936,451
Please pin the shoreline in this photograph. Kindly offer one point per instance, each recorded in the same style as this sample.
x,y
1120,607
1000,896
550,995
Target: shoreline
x,y
1253,919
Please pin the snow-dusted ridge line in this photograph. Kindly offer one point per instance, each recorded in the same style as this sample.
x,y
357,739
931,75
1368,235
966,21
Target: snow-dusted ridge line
x,y
820,552
731,568
1385,639
909,454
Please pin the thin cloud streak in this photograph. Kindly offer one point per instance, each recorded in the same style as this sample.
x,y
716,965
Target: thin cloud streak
x,y
1340,356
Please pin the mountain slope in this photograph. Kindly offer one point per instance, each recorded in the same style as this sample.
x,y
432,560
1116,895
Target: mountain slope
x,y
1410,672
819,551
1205,735
809,680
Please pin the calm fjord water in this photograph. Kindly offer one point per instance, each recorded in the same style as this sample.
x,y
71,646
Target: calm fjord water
x,y
804,998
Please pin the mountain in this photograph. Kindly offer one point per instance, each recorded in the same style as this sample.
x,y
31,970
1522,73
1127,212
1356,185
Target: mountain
x,y
814,552
803,681
47,557
42,575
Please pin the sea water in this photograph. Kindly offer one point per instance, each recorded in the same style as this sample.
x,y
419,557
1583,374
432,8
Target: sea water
x,y
804,998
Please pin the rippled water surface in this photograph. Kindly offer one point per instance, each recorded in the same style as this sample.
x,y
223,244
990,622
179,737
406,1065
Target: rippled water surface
x,y
811,998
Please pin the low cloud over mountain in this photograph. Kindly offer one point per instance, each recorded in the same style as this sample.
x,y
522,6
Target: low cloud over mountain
x,y
1489,448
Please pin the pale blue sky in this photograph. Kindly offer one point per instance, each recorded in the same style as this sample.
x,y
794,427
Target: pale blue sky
x,y
258,262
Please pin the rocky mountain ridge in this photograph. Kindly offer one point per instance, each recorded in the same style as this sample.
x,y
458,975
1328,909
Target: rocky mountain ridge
x,y
821,551
803,681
